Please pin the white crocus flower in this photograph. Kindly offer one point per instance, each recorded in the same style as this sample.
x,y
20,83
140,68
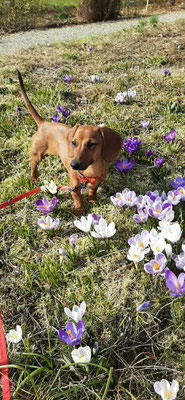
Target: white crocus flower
x,y
165,390
84,224
158,245
141,241
135,254
171,231
168,250
81,355
52,187
96,78
103,230
77,312
14,335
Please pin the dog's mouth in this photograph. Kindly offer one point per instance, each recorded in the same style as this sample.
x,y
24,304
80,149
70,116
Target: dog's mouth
x,y
80,166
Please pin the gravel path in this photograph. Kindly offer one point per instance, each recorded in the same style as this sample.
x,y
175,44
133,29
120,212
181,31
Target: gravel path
x,y
10,44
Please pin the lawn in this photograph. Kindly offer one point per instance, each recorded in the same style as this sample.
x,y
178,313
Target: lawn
x,y
136,349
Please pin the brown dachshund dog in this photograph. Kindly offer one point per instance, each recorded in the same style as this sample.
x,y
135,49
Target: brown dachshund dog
x,y
85,150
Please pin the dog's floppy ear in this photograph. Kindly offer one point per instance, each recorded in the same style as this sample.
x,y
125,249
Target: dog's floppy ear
x,y
69,140
112,143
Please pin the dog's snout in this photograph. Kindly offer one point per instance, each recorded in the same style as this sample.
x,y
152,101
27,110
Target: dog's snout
x,y
75,164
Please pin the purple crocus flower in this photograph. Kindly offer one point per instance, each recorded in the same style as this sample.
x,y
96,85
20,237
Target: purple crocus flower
x,y
144,123
144,306
61,108
90,48
96,219
141,201
118,200
179,260
175,284
132,144
173,197
170,136
66,113
181,190
120,97
55,118
152,196
48,223
149,152
156,266
63,252
159,161
19,109
67,78
167,72
72,335
159,210
142,215
73,239
179,181
125,165
129,198
95,347
45,206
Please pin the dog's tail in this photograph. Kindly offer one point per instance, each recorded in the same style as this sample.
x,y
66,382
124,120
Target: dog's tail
x,y
31,109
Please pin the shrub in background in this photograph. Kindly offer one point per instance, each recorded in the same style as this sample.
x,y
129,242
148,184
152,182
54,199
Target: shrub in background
x,y
93,10
17,14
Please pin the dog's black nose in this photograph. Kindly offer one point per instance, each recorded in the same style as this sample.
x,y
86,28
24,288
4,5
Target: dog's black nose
x,y
75,164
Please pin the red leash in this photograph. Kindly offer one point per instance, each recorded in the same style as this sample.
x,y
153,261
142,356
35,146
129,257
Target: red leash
x,y
83,183
4,361
27,194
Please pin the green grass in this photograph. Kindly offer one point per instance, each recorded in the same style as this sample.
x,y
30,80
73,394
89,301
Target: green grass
x,y
59,3
135,350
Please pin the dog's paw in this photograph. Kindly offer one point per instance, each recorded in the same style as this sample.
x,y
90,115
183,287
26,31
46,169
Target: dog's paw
x,y
79,211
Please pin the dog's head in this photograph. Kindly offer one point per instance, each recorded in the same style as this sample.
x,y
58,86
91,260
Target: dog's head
x,y
87,144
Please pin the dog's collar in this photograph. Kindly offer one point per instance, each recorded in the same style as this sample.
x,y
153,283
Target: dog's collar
x,y
84,179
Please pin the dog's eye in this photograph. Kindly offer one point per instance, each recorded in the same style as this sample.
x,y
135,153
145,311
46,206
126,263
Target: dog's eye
x,y
73,143
90,145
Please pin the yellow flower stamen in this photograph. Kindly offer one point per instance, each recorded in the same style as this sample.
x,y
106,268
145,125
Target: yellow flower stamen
x,y
81,356
141,244
69,333
168,394
123,165
159,210
156,266
178,285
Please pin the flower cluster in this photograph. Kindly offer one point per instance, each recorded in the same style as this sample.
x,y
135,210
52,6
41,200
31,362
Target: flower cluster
x,y
45,207
125,97
96,78
132,144
73,333
63,110
101,228
160,240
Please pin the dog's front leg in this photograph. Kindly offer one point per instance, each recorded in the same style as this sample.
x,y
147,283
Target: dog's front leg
x,y
92,194
78,202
